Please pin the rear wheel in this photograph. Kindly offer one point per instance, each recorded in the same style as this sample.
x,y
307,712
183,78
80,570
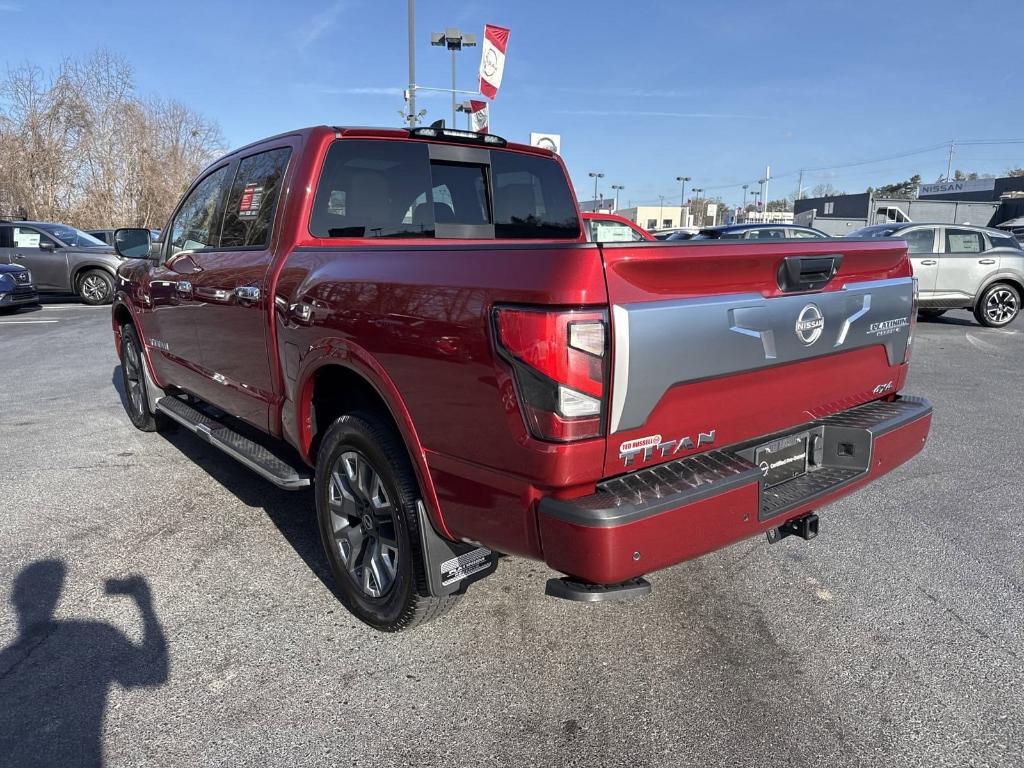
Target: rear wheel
x,y
134,379
366,495
998,306
931,314
96,287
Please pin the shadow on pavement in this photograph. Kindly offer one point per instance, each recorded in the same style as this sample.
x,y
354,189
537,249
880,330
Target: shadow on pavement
x,y
55,676
293,512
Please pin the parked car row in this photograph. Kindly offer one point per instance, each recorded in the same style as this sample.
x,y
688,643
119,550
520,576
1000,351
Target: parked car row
x,y
61,258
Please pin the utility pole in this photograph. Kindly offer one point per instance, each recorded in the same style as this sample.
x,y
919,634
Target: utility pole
x,y
767,178
949,164
412,63
800,186
661,210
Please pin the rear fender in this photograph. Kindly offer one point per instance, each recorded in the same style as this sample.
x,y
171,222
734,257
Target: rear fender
x,y
347,354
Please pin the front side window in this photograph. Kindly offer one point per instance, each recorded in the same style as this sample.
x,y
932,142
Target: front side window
x,y
393,189
71,236
964,241
194,226
767,234
252,201
920,240
803,233
30,239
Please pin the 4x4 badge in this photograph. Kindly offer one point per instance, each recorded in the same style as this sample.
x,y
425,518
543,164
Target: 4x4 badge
x,y
809,324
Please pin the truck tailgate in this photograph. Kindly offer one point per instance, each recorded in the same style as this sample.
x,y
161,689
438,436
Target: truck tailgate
x,y
718,342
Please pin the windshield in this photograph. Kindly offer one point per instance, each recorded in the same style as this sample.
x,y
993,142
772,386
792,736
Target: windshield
x,y
877,231
71,236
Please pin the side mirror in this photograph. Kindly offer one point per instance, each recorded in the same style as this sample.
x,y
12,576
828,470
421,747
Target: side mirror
x,y
132,242
47,245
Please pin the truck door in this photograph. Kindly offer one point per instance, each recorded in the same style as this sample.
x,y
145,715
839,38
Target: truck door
x,y
923,245
170,330
963,264
230,288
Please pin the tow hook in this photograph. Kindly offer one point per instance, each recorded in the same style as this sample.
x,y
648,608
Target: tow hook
x,y
805,527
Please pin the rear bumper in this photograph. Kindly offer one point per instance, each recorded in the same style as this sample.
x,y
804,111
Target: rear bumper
x,y
656,517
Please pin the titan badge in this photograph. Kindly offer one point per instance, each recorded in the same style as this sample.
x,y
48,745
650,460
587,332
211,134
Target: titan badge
x,y
630,449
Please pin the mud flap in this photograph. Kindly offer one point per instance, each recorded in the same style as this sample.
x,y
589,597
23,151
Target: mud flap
x,y
451,565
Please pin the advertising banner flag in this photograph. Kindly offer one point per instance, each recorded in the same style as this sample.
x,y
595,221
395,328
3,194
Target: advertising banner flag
x,y
492,59
478,118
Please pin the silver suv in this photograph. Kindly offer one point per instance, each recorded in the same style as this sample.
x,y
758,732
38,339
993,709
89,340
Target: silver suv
x,y
958,266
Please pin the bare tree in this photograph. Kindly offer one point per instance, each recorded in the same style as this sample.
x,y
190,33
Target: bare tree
x,y
80,146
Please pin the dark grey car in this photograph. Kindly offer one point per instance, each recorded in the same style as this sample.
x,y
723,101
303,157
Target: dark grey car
x,y
959,266
62,259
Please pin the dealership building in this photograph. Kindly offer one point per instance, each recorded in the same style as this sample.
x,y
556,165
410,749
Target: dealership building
x,y
986,202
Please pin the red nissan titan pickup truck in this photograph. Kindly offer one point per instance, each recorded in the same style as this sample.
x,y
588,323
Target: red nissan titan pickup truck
x,y
413,321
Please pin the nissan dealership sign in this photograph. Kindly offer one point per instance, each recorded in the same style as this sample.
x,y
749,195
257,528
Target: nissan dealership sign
x,y
956,187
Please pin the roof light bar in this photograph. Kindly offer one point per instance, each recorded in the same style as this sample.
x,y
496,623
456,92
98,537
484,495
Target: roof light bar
x,y
451,134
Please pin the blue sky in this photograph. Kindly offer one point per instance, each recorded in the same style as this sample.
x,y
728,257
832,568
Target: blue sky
x,y
642,91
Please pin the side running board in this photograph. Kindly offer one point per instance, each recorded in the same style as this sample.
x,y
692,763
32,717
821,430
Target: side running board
x,y
247,452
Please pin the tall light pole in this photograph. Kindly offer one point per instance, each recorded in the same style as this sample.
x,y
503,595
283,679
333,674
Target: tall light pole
x,y
745,196
617,188
682,195
412,63
661,210
454,40
697,191
466,107
595,175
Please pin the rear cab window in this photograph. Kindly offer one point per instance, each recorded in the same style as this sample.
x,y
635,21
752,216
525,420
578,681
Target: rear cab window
x,y
410,189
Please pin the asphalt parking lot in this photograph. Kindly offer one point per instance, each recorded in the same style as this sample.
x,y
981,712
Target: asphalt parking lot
x,y
894,639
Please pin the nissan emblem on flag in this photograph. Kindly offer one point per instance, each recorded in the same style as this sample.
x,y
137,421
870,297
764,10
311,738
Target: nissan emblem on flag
x,y
492,59
478,115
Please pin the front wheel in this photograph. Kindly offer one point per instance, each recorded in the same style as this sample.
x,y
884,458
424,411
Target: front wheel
x,y
366,494
998,306
133,377
96,287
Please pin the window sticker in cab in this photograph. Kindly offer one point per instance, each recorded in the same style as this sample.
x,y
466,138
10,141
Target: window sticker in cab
x,y
252,196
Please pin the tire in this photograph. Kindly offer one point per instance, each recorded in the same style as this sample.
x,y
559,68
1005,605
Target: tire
x,y
998,305
931,314
133,378
95,287
366,495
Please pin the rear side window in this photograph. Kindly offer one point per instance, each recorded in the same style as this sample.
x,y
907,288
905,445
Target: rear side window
x,y
1003,241
531,198
964,241
395,189
252,200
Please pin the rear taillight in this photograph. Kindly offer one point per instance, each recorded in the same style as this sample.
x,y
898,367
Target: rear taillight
x,y
559,361
913,323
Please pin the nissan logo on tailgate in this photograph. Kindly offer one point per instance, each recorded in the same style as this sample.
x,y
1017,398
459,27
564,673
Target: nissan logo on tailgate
x,y
809,324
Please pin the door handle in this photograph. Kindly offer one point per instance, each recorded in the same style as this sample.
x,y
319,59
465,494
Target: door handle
x,y
986,261
247,293
184,288
929,263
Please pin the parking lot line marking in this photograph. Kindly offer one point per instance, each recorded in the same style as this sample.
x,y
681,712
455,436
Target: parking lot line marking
x,y
26,322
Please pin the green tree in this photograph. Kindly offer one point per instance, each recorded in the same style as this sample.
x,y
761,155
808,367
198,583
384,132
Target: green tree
x,y
899,189
1015,172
